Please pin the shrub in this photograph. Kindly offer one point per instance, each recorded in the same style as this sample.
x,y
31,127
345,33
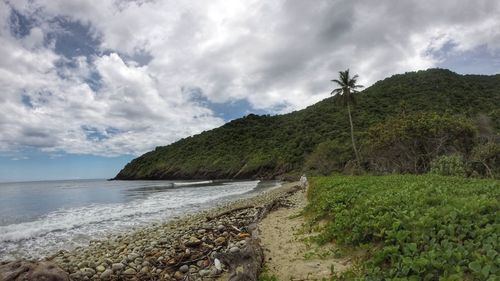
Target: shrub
x,y
448,165
329,156
485,159
408,144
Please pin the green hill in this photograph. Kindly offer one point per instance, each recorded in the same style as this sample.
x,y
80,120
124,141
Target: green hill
x,y
271,146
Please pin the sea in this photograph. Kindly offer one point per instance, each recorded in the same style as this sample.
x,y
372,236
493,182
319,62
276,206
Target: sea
x,y
38,219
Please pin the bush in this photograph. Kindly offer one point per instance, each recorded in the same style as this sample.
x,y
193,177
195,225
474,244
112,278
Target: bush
x,y
408,144
329,156
448,165
485,159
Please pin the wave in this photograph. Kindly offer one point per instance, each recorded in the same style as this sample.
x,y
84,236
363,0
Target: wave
x,y
71,227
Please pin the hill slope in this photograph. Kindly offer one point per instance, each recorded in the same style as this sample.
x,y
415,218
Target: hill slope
x,y
269,146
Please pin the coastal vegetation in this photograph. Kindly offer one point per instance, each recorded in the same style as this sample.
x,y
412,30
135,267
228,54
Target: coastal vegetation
x,y
398,121
410,227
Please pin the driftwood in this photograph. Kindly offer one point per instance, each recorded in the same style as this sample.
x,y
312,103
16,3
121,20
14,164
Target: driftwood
x,y
246,264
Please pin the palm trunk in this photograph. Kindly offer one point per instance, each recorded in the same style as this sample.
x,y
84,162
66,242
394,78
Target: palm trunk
x,y
352,135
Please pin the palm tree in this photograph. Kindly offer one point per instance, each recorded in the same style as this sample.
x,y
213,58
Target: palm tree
x,y
347,89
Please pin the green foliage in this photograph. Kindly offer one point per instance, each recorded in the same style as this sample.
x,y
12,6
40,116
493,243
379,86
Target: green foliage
x,y
408,144
266,276
485,159
448,165
329,156
423,227
269,146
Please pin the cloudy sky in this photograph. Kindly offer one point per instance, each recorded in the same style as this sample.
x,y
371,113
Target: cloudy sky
x,y
87,85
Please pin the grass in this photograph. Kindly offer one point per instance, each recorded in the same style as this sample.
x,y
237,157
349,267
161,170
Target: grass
x,y
411,227
266,276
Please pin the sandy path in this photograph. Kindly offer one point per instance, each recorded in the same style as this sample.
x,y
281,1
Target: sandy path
x,y
287,256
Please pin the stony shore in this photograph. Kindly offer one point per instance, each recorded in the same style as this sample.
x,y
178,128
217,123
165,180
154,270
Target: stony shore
x,y
188,248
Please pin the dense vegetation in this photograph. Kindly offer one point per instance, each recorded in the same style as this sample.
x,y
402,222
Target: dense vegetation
x,y
271,146
423,227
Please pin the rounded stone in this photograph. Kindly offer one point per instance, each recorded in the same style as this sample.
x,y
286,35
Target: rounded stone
x,y
100,268
117,266
129,271
234,250
106,274
184,268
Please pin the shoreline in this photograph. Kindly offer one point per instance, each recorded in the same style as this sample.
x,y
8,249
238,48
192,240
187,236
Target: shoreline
x,y
179,249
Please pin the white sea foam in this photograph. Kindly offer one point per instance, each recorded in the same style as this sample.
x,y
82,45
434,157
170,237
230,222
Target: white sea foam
x,y
71,227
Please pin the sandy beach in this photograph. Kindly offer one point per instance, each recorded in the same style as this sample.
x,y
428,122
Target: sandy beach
x,y
182,249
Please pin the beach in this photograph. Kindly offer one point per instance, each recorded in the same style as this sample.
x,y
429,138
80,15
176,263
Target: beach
x,y
190,247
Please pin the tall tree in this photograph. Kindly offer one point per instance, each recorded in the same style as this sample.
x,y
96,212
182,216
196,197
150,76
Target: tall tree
x,y
347,89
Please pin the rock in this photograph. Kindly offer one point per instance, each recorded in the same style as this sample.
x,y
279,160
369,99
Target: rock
x,y
106,274
28,270
204,272
217,264
220,240
220,227
145,269
75,276
130,271
89,272
178,275
117,266
234,250
184,269
100,268
215,271
193,242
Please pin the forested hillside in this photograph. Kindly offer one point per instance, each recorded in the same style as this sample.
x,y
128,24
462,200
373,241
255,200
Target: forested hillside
x,y
272,146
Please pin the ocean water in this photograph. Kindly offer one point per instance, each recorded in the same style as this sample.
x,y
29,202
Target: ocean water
x,y
40,218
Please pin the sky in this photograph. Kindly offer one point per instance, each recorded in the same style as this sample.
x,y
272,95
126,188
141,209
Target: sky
x,y
86,86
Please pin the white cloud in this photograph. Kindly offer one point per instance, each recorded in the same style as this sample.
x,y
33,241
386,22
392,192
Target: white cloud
x,y
278,55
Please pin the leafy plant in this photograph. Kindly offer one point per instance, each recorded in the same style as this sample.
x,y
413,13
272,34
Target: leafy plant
x,y
448,165
424,227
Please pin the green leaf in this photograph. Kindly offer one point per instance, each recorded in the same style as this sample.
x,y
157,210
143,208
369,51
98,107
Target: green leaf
x,y
475,266
485,271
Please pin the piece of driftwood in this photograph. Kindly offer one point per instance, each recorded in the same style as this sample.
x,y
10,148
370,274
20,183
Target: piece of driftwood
x,y
246,264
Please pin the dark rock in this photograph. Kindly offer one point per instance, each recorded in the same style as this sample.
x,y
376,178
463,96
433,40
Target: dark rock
x,y
36,271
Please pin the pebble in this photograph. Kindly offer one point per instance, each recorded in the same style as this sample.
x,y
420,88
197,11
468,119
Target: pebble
x,y
204,272
88,272
178,275
234,250
193,242
106,274
184,268
100,268
220,240
117,266
129,271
